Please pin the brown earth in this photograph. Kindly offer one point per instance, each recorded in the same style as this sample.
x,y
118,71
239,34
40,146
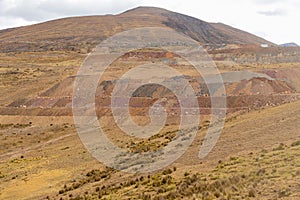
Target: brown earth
x,y
41,155
84,33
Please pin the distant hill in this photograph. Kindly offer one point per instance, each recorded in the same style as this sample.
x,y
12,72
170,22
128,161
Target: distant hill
x,y
76,33
290,45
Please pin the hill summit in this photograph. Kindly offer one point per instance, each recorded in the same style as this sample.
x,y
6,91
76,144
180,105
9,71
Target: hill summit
x,y
88,31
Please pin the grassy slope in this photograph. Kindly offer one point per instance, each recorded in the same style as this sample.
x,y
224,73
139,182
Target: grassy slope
x,y
57,158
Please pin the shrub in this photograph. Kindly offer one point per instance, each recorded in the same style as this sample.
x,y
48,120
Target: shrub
x,y
279,148
297,143
167,171
186,174
251,193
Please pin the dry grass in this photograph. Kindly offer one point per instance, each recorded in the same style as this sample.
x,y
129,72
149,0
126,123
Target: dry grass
x,y
272,174
257,156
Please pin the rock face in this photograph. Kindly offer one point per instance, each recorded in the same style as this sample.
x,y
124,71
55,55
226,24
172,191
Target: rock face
x,y
84,33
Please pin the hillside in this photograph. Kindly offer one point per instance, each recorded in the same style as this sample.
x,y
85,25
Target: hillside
x,y
42,156
84,33
255,158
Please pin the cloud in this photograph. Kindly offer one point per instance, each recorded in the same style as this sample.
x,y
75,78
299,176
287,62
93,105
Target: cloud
x,y
269,13
26,10
268,2
6,22
261,34
39,10
84,7
248,15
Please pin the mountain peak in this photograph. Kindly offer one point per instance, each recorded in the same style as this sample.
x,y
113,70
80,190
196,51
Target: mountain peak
x,y
145,10
291,44
88,31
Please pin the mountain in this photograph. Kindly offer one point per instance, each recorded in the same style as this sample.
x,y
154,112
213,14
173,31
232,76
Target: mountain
x,y
292,44
76,33
257,155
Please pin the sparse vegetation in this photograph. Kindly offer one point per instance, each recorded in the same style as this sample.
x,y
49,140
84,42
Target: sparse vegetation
x,y
297,143
240,184
42,156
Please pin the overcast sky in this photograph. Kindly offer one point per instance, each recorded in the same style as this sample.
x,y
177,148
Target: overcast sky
x,y
275,20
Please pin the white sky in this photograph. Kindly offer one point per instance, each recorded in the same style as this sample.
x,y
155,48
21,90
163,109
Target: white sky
x,y
274,20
